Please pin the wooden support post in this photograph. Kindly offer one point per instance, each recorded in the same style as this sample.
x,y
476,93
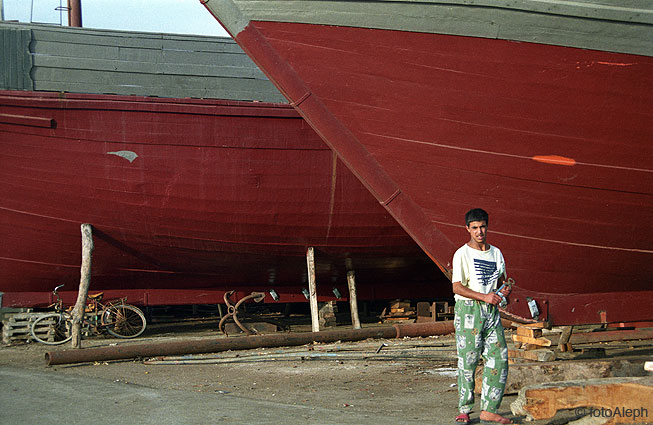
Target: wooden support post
x,y
563,343
353,303
312,289
84,283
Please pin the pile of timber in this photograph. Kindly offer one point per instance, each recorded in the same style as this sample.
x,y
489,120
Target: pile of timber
x,y
559,369
536,357
532,344
432,312
399,310
16,326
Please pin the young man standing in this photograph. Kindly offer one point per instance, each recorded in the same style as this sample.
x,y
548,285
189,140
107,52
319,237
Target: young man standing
x,y
478,269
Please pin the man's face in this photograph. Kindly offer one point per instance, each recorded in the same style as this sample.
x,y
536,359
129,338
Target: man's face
x,y
478,230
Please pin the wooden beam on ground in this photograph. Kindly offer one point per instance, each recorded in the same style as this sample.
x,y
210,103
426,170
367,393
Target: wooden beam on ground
x,y
353,303
535,325
84,283
529,332
538,355
606,336
627,399
312,289
542,342
521,375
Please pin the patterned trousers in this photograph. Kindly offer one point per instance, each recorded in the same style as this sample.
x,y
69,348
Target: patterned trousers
x,y
479,332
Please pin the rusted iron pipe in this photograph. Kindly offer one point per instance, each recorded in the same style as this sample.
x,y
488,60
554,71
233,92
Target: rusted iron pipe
x,y
423,329
75,13
214,345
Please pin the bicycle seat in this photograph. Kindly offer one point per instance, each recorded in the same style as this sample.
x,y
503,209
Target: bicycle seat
x,y
97,296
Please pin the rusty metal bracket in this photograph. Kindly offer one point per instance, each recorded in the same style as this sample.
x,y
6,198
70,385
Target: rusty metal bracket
x,y
232,310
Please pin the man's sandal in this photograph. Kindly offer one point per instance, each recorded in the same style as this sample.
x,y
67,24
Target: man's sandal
x,y
462,419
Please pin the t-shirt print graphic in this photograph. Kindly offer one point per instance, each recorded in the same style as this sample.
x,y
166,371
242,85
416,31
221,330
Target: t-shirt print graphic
x,y
486,271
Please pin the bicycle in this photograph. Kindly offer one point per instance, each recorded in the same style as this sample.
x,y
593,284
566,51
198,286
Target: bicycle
x,y
117,318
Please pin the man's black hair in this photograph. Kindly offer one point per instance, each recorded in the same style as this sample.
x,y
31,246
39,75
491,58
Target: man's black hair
x,y
476,214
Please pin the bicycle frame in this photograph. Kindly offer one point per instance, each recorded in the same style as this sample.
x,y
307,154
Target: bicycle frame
x,y
116,317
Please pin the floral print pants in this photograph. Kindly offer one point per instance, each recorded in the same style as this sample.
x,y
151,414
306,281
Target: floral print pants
x,y
479,332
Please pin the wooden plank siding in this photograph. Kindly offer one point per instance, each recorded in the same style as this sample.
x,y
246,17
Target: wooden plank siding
x,y
82,60
15,59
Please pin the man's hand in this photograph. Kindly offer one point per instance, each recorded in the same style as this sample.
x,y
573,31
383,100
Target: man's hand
x,y
492,298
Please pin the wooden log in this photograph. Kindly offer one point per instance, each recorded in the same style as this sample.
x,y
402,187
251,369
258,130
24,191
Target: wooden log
x,y
542,342
624,400
521,375
353,303
312,289
84,283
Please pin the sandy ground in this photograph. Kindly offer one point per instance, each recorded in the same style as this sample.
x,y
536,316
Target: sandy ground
x,y
409,380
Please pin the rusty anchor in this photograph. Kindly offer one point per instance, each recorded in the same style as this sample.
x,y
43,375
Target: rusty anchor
x,y
232,310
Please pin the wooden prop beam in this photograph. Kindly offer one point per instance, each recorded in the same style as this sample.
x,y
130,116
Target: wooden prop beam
x,y
312,289
353,303
84,283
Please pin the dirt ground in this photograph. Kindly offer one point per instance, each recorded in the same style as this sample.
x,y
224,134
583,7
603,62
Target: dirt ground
x,y
411,379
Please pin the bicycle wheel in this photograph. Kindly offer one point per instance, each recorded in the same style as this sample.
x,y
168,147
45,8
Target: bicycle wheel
x,y
124,321
52,329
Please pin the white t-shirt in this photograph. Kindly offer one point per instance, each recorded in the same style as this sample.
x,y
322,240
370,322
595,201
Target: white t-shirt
x,y
478,270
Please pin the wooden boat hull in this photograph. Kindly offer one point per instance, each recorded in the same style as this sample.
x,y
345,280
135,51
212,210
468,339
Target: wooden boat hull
x,y
188,199
541,117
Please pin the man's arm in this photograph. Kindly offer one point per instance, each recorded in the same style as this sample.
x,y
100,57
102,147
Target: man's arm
x,y
491,298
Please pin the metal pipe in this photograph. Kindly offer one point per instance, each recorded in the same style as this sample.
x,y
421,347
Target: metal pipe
x,y
194,346
75,13
424,329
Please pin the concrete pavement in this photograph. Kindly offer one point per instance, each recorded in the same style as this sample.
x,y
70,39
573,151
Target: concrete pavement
x,y
46,397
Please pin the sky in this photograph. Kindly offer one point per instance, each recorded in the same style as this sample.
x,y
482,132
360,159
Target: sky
x,y
169,16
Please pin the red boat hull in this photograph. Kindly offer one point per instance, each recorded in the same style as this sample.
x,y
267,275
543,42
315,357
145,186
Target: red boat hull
x,y
188,199
553,141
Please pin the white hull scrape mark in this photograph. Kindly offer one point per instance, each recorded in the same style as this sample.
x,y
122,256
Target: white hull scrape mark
x,y
128,155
